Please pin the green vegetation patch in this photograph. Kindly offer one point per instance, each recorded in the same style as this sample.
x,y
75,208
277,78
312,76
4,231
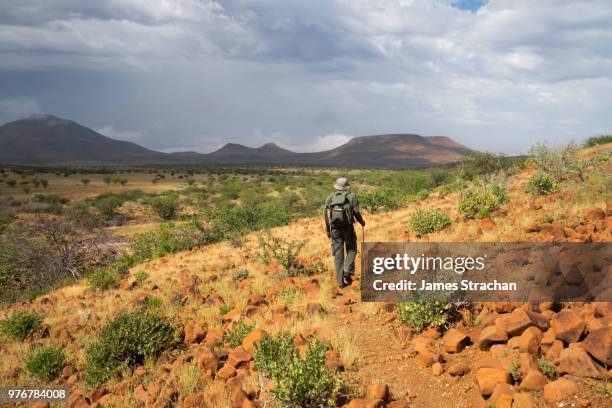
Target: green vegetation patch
x,y
126,341
542,184
426,221
300,382
420,315
46,364
20,325
478,202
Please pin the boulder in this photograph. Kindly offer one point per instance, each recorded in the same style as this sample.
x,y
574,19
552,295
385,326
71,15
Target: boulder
x,y
568,326
529,341
455,340
239,356
554,350
515,323
594,214
437,369
365,403
576,361
599,345
523,400
499,391
193,334
214,336
253,339
377,392
458,370
491,335
228,371
487,378
559,390
533,381
205,359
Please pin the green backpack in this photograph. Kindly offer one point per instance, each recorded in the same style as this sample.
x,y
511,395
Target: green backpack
x,y
339,212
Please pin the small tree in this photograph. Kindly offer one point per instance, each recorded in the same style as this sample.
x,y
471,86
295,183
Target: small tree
x,y
85,181
108,206
165,207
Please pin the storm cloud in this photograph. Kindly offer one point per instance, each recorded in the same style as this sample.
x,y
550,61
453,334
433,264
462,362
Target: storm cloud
x,y
195,74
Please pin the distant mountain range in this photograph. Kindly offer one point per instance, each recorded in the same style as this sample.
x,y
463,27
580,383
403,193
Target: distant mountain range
x,y
52,141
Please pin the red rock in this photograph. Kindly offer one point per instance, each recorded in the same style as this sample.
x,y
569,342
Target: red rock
x,y
533,381
256,300
529,341
206,359
515,323
458,370
504,401
487,378
333,361
377,392
491,335
437,369
488,362
455,340
594,214
523,400
568,326
253,339
194,401
239,356
40,404
193,334
228,371
500,390
599,345
554,351
68,371
559,390
576,361
214,336
365,403
141,394
233,315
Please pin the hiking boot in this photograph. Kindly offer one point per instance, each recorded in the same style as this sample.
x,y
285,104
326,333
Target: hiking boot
x,y
348,279
342,286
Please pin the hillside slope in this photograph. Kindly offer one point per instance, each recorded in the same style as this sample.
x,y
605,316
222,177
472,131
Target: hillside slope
x,y
368,342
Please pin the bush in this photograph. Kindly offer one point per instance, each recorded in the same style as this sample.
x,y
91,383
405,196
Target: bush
x,y
236,335
298,382
165,207
598,140
419,315
171,238
547,367
424,222
108,206
380,198
240,274
106,277
126,341
556,162
542,184
20,325
478,202
282,251
46,364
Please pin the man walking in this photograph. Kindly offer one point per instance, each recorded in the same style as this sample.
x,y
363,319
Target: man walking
x,y
341,211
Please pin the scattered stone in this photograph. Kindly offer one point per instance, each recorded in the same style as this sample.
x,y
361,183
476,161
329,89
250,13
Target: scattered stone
x,y
193,401
487,378
523,400
239,356
253,339
554,351
491,335
377,392
365,403
559,390
568,326
455,340
206,359
533,381
314,308
193,334
576,361
599,345
228,371
214,336
515,323
437,369
458,370
499,391
594,214
529,341
68,371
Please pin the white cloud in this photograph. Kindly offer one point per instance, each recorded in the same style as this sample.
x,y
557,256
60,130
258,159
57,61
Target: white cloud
x,y
18,108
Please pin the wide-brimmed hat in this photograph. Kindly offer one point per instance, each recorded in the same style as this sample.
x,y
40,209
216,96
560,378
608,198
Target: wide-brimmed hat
x,y
342,184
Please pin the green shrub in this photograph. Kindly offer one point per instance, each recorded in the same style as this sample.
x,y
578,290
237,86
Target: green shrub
x,y
106,277
126,341
557,162
165,207
224,308
108,206
419,315
424,222
298,382
380,198
236,335
46,364
285,252
240,274
598,140
171,238
547,367
542,184
478,202
20,325
422,195
141,277
153,303
515,371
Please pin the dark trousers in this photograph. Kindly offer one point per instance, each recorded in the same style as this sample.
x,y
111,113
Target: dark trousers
x,y
339,239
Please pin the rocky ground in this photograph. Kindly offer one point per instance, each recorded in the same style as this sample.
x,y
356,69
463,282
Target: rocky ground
x,y
492,355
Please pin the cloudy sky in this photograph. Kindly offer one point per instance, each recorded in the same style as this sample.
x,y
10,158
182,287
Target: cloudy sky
x,y
496,75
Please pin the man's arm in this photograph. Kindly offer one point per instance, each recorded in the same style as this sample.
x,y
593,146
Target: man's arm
x,y
326,219
356,211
